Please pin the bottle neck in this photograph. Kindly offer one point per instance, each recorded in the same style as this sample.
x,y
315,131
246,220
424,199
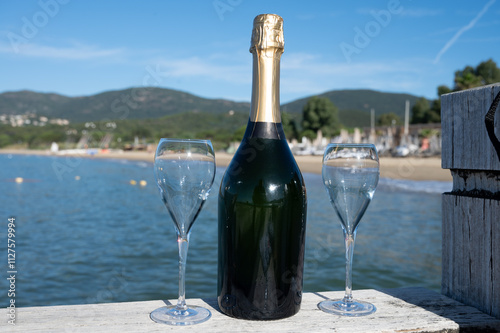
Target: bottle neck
x,y
265,104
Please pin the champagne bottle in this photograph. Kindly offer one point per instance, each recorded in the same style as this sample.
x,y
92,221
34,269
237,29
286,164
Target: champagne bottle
x,y
262,200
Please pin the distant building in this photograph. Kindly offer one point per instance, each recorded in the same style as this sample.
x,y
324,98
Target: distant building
x,y
30,119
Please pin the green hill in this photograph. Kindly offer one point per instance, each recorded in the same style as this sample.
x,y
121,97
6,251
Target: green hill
x,y
133,103
354,105
151,113
150,103
43,104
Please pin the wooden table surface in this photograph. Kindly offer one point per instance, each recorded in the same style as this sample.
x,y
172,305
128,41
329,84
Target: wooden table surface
x,y
398,310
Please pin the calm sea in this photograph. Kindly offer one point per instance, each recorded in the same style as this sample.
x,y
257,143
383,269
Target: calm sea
x,y
84,234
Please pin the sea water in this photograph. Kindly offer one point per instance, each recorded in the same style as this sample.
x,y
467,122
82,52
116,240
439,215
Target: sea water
x,y
86,234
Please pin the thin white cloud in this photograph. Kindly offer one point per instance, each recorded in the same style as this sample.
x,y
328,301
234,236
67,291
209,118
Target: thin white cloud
x,y
301,73
304,74
449,30
306,17
462,30
73,52
419,12
317,16
297,60
336,13
300,65
410,12
213,68
312,64
445,31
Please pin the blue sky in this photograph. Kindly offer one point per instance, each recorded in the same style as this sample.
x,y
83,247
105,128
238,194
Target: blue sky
x,y
76,47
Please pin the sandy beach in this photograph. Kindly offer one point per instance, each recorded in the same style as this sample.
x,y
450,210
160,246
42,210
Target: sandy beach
x,y
397,168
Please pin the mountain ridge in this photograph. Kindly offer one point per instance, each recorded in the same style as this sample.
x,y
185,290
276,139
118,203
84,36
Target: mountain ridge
x,y
154,102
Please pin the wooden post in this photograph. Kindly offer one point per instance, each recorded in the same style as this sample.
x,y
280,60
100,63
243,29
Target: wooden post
x,y
470,122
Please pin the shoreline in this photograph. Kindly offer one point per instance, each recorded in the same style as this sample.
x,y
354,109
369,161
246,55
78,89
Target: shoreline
x,y
409,168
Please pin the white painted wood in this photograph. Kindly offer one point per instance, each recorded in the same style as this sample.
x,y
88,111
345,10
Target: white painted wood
x,y
465,141
398,310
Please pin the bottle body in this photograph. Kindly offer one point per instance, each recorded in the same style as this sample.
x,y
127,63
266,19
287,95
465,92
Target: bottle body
x,y
262,219
262,200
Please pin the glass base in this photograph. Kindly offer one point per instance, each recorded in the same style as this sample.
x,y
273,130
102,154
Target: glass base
x,y
171,316
342,308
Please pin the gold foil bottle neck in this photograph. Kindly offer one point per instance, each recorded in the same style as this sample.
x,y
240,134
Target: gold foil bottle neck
x,y
267,33
267,47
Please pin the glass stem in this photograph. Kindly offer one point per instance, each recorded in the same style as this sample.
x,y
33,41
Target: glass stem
x,y
183,242
349,249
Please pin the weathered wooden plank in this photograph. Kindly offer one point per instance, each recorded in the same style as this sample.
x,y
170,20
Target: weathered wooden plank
x,y
471,212
486,183
471,251
446,131
465,140
398,310
447,230
495,260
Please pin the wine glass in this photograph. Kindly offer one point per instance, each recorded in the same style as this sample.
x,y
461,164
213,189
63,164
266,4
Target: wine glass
x,y
350,175
184,171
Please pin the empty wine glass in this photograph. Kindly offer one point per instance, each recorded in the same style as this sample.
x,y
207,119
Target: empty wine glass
x,y
184,171
350,175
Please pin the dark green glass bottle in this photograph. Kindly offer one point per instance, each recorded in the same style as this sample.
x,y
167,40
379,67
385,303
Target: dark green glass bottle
x,y
262,200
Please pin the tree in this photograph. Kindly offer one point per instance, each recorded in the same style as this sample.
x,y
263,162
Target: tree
x,y
289,126
419,110
466,79
141,131
486,72
311,135
239,133
4,140
52,135
422,113
320,114
436,104
443,90
388,119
